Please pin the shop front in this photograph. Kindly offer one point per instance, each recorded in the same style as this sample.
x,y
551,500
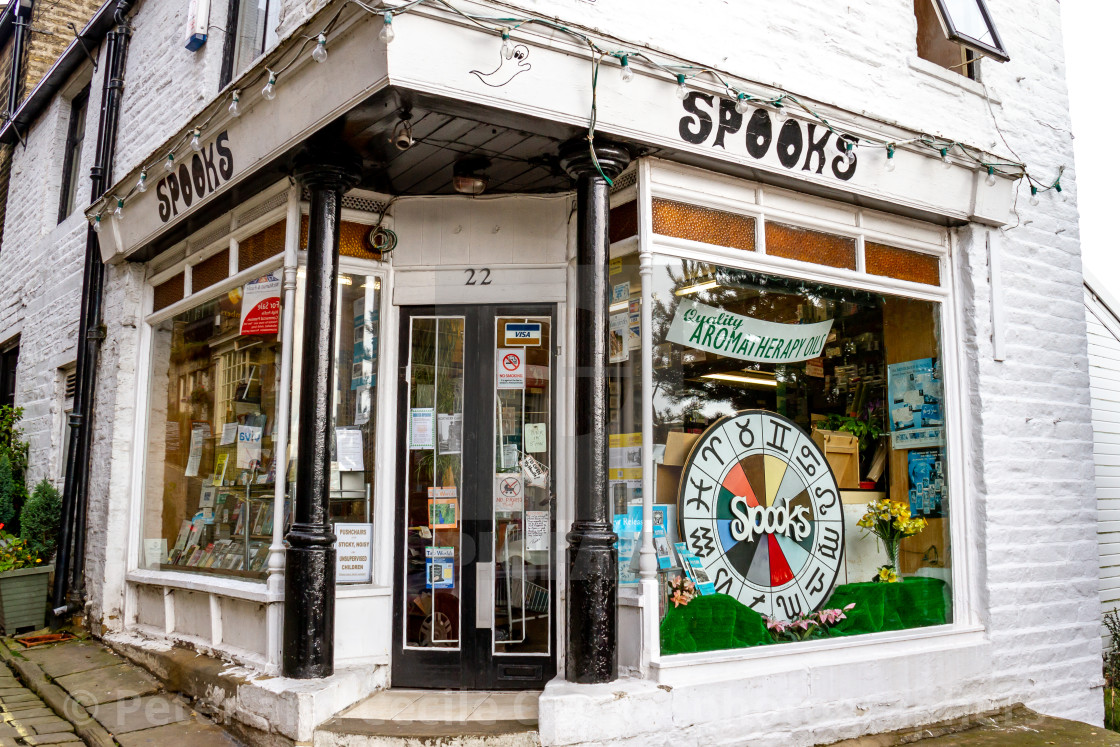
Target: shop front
x,y
700,420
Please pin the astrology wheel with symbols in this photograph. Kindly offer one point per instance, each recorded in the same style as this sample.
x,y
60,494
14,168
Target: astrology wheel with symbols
x,y
759,506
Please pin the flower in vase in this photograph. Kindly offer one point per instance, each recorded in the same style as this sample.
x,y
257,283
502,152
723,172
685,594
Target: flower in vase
x,y
887,575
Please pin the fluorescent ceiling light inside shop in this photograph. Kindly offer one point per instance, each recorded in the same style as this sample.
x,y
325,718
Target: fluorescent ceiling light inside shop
x,y
741,378
697,288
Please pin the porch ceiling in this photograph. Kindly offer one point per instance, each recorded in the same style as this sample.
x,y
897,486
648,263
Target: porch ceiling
x,y
522,153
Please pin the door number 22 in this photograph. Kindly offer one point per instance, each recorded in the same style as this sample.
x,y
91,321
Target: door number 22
x,y
480,276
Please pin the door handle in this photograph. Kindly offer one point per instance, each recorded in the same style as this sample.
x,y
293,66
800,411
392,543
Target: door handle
x,y
483,596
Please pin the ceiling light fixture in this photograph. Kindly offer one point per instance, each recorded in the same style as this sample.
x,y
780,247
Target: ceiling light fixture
x,y
402,133
465,177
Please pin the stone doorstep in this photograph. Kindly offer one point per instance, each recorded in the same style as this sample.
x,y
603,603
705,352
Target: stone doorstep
x,y
260,709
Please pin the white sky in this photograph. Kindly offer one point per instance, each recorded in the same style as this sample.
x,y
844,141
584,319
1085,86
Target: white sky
x,y
1090,29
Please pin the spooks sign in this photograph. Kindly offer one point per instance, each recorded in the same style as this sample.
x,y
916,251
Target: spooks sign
x,y
798,146
195,178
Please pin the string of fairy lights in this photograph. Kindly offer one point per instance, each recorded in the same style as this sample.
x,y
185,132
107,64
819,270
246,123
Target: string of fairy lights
x,y
779,105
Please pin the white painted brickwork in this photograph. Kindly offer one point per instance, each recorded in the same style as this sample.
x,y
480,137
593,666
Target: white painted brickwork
x,y
41,275
1031,519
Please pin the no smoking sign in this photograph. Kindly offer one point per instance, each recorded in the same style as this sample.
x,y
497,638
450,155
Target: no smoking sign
x,y
511,368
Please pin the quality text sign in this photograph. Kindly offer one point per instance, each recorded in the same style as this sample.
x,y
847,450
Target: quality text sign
x,y
707,328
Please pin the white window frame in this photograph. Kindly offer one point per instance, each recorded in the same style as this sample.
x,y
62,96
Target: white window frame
x,y
763,202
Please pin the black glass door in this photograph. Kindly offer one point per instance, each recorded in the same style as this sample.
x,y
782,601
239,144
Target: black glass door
x,y
475,558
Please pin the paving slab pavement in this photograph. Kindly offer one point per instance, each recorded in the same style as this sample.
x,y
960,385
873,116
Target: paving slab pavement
x,y
1018,726
106,701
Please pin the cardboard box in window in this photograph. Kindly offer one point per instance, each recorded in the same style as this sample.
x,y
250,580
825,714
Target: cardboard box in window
x,y
842,451
668,473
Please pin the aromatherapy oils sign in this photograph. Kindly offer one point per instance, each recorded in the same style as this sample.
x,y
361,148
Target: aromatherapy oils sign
x,y
713,330
760,509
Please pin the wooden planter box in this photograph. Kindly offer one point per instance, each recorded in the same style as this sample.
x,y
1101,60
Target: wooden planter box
x,y
23,598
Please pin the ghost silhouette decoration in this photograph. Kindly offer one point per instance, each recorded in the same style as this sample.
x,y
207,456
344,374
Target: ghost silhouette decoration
x,y
507,70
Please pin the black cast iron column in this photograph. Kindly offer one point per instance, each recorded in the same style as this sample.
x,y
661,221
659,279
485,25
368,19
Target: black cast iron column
x,y
309,578
592,651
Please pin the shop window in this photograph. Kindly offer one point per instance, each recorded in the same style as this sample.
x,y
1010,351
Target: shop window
x,y
353,419
791,420
210,271
210,470
252,30
703,224
902,264
956,33
353,239
261,246
72,155
807,245
168,292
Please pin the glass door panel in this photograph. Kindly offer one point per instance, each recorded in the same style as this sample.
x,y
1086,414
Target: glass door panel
x,y
433,520
522,517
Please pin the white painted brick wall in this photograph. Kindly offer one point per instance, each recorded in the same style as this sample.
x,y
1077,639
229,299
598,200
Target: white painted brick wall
x,y
41,274
1030,509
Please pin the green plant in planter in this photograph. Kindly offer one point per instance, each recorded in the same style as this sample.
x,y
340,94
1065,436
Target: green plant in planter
x,y
12,491
867,432
12,444
16,554
40,518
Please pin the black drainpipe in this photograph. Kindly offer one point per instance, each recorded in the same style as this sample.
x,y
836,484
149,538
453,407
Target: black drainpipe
x,y
91,332
22,22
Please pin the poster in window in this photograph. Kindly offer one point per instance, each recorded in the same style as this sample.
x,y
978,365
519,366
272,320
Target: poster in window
x,y
440,562
915,404
260,306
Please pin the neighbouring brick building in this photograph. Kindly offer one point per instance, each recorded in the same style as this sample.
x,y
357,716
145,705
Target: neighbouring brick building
x,y
37,328
435,342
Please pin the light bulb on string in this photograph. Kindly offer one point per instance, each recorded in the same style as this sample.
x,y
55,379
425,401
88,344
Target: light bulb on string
x,y
269,90
142,182
682,89
319,54
235,105
890,158
849,151
780,113
1058,189
96,223
169,164
626,73
990,179
1034,196
507,45
741,103
387,34
945,160
119,212
196,141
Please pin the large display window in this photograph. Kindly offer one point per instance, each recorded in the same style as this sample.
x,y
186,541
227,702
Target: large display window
x,y
210,470
799,433
798,464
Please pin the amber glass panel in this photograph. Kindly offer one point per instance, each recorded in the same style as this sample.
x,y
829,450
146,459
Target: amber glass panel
x,y
807,245
351,239
703,224
901,264
261,246
210,271
624,221
168,292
